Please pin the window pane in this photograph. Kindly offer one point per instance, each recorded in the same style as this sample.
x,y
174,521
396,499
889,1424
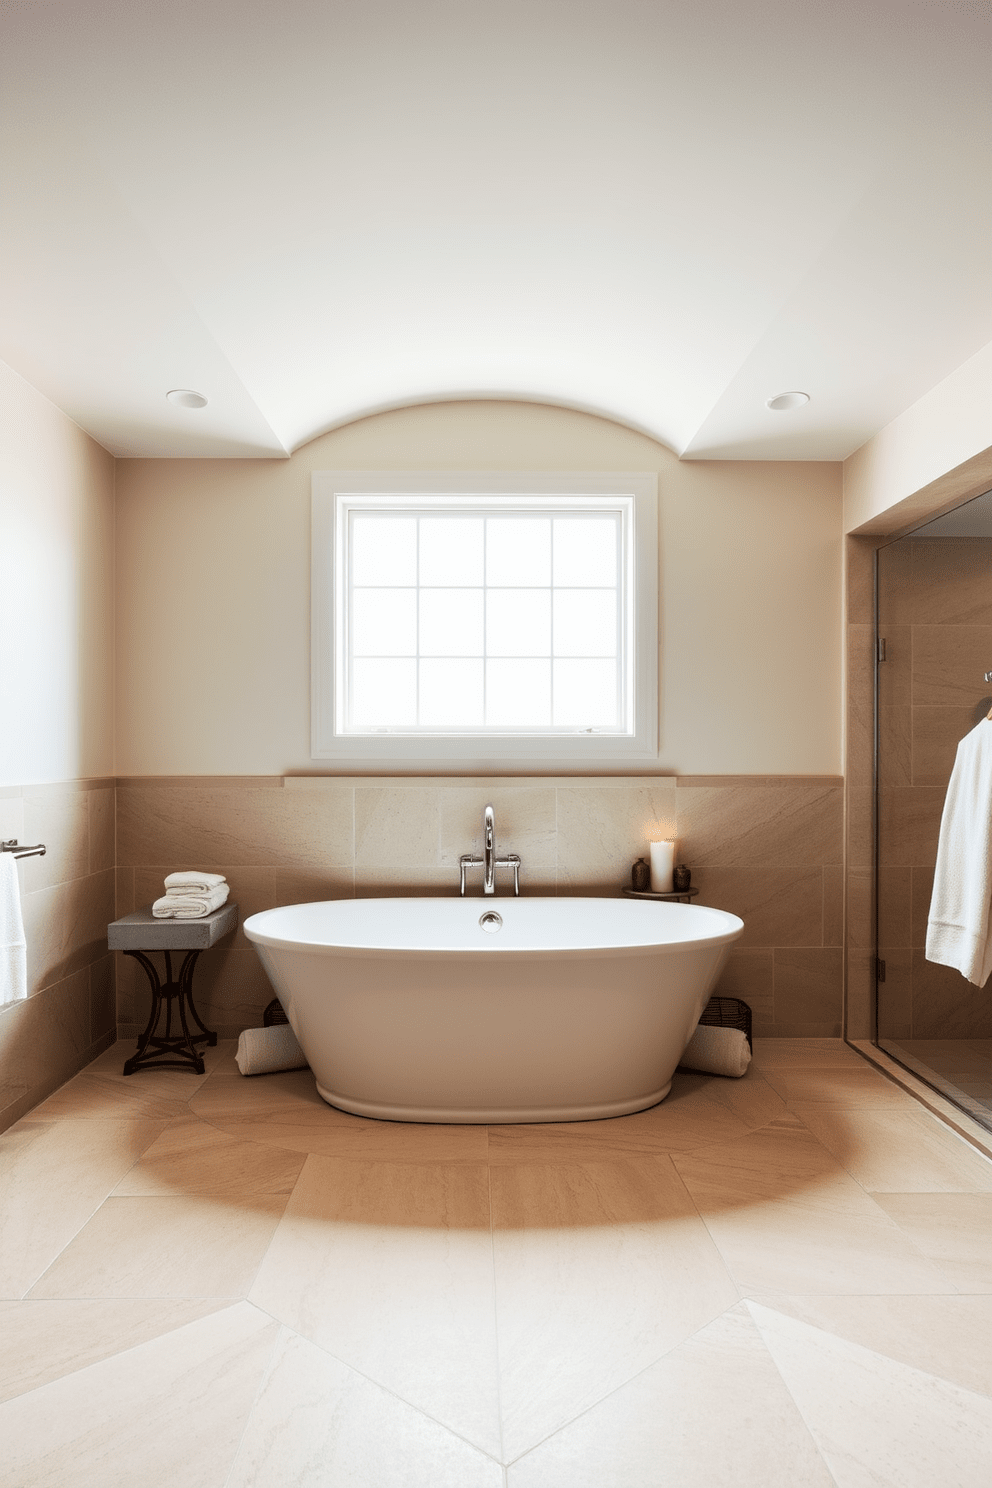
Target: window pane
x,y
518,550
384,622
451,550
518,622
383,550
451,622
518,693
451,693
585,693
585,550
585,622
383,692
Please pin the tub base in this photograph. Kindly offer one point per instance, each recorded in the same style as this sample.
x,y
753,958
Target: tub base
x,y
494,1116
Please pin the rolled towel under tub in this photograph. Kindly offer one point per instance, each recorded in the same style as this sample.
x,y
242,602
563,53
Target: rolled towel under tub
x,y
717,1051
264,1051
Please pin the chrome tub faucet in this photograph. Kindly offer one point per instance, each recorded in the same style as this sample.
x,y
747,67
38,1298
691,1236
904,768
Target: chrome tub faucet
x,y
489,862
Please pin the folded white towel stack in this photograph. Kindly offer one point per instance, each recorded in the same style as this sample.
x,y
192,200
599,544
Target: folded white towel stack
x,y
13,953
263,1051
717,1051
190,896
193,883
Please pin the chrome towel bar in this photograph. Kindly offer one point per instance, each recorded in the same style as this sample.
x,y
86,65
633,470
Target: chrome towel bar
x,y
21,850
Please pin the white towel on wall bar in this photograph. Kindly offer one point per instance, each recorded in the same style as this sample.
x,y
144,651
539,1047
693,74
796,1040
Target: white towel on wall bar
x,y
958,929
193,883
13,948
189,906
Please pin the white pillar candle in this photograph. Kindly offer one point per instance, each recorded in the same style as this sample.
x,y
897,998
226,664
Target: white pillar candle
x,y
662,863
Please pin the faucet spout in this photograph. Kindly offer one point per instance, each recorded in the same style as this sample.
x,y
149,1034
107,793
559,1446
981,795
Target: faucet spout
x,y
489,852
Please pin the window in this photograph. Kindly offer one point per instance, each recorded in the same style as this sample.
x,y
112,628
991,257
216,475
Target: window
x,y
484,617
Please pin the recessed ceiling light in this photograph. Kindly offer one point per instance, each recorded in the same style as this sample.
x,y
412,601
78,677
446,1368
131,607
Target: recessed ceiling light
x,y
785,402
186,398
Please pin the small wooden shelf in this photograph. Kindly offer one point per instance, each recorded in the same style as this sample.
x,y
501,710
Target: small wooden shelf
x,y
682,896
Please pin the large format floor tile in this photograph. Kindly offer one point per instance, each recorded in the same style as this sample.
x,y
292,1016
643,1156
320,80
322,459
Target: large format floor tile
x,y
875,1420
546,1306
168,1412
55,1174
317,1423
389,1268
714,1412
166,1247
600,1269
954,1230
44,1340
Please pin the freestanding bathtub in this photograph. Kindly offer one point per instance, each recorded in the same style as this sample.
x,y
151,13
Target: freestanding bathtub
x,y
432,1010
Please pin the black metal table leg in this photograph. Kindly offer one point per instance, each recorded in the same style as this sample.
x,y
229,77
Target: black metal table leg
x,y
179,1049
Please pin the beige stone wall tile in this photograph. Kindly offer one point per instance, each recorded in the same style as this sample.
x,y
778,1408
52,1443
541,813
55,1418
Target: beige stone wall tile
x,y
309,885
950,581
809,986
859,993
231,989
895,994
11,814
894,906
44,1040
936,735
745,826
61,822
897,592
895,673
860,813
909,824
921,895
859,740
779,906
749,976
602,830
206,828
397,825
103,998
860,908
833,904
896,736
399,881
945,1005
66,927
859,553
103,829
949,665
124,891
525,824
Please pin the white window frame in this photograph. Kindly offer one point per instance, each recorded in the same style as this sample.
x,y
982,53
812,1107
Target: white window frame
x,y
331,490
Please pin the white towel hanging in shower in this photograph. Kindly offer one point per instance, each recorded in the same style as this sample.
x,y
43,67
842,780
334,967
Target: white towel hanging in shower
x,y
958,931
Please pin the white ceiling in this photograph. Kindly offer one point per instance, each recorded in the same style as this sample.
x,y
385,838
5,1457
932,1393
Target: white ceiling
x,y
662,212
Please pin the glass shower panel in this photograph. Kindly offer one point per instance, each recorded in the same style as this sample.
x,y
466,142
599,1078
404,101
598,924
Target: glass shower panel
x,y
934,627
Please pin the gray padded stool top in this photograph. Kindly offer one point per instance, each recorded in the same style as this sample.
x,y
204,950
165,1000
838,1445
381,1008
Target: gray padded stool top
x,y
141,931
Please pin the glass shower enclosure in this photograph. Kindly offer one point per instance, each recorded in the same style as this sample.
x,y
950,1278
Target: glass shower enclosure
x,y
933,605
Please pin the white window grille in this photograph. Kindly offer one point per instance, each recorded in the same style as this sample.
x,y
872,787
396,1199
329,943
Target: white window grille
x,y
484,616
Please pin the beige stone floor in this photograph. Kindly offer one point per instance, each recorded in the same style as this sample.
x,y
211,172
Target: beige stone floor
x,y
960,1068
775,1282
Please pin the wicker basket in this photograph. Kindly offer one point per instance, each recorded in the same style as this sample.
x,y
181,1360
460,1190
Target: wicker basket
x,y
728,1012
273,1014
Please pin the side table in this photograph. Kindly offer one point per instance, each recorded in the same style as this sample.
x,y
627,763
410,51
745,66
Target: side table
x,y
137,934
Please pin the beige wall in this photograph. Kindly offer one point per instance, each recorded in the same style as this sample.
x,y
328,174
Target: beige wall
x,y
56,726
933,456
213,592
56,593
